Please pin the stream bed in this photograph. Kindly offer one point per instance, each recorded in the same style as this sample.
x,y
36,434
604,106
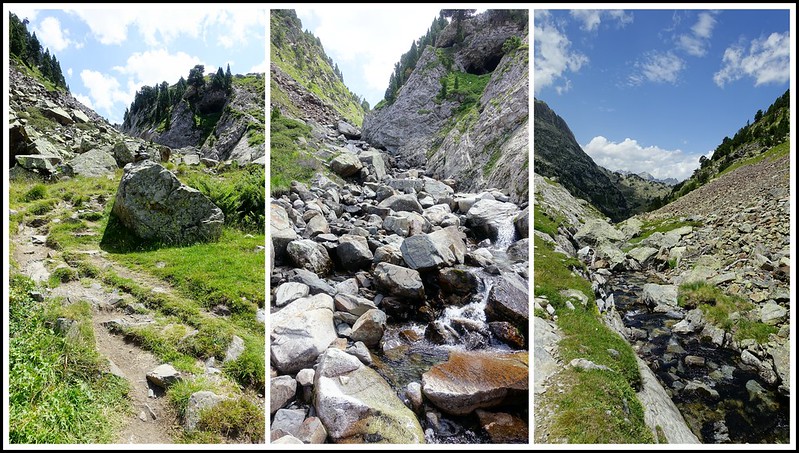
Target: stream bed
x,y
722,399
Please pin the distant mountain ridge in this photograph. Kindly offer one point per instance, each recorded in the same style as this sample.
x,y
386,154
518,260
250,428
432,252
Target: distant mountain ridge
x,y
648,177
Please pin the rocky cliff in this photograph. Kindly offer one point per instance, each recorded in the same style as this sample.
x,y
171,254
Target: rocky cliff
x,y
304,81
558,155
463,112
51,134
212,121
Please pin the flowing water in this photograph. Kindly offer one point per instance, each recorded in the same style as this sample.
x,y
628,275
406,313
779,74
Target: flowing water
x,y
736,415
406,354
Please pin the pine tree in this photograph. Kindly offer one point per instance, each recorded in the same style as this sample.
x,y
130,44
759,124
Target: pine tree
x,y
228,79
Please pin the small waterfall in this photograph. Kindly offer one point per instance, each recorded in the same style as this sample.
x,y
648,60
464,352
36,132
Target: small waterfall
x,y
474,311
506,233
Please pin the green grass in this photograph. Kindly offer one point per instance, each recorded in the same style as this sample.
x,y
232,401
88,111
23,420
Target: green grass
x,y
593,410
240,193
545,222
237,419
781,150
57,393
726,311
581,411
658,226
288,162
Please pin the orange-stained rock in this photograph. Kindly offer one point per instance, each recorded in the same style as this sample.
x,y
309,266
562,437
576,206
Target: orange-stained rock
x,y
471,380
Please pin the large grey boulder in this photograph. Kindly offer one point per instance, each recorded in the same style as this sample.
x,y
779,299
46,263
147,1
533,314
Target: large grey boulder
x,y
348,130
281,229
373,158
369,328
441,248
491,217
663,296
399,281
310,255
301,331
509,300
93,163
353,252
155,205
346,164
597,231
407,202
356,404
282,389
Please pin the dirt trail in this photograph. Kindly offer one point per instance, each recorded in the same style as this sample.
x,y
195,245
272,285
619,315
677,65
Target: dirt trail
x,y
151,420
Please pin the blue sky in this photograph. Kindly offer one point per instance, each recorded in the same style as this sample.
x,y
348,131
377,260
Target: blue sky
x,y
366,40
108,52
653,90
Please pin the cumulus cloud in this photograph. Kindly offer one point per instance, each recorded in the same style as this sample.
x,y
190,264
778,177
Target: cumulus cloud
x,y
52,35
348,35
69,72
657,67
697,42
104,92
155,66
260,67
159,28
631,156
767,61
553,55
592,18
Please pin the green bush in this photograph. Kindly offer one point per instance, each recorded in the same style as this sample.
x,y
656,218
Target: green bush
x,y
511,44
37,192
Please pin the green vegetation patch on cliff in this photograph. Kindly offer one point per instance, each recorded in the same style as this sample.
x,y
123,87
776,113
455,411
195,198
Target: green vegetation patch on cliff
x,y
288,160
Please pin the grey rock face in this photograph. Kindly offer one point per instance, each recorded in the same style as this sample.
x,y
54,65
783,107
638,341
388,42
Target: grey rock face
x,y
354,402
93,163
155,205
301,331
399,281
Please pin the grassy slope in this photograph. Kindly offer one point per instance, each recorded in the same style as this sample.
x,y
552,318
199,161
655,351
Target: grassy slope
x,y
300,56
229,272
594,406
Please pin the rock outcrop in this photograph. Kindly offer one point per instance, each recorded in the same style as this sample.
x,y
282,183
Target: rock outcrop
x,y
478,142
155,205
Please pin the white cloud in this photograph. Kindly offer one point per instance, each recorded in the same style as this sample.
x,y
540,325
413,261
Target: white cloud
x,y
631,156
242,25
84,100
703,28
697,42
657,67
155,66
69,72
104,93
51,35
348,35
592,18
767,61
553,56
260,67
158,26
